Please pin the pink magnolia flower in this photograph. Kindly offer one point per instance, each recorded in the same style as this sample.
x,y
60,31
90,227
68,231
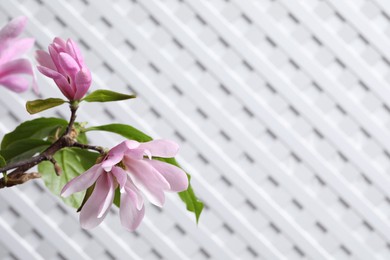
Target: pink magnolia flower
x,y
65,65
136,176
12,67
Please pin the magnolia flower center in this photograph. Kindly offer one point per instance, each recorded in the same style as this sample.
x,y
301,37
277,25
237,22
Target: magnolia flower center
x,y
121,165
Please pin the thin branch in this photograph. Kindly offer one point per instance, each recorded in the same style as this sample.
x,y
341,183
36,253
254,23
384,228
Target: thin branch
x,y
56,166
89,147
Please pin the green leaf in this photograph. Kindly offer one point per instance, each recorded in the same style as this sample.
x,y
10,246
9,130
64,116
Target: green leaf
x,y
104,95
39,105
73,162
129,132
23,149
36,129
126,131
2,162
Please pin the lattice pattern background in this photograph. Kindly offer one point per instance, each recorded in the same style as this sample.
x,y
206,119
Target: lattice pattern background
x,y
282,109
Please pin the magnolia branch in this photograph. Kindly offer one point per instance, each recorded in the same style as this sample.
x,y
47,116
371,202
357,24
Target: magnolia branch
x,y
19,175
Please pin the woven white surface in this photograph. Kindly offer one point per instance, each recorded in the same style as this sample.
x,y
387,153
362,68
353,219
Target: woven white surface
x,y
282,110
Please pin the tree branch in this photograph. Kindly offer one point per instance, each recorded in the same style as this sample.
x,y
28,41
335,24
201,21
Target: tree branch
x,y
67,139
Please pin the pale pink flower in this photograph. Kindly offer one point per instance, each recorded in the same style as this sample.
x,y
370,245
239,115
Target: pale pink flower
x,y
130,167
65,65
12,67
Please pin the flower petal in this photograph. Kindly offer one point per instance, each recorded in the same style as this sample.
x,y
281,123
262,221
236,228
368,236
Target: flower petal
x,y
60,81
161,148
74,51
44,59
17,48
130,216
176,177
15,83
140,198
115,155
151,183
59,44
83,181
19,66
68,64
89,215
121,177
111,182
82,82
54,54
12,29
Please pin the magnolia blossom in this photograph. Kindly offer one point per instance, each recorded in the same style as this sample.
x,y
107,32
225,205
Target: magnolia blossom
x,y
130,167
65,65
12,67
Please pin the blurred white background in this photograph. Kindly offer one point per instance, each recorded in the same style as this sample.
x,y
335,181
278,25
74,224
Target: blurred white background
x,y
282,110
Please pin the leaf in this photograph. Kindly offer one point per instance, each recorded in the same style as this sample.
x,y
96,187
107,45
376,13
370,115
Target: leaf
x,y
104,95
39,105
2,162
37,129
126,131
129,132
23,149
73,162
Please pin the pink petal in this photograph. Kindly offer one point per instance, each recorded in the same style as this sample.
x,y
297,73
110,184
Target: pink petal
x,y
83,181
15,83
44,59
13,29
176,177
55,58
74,51
60,81
151,183
115,155
15,50
161,148
83,81
121,177
9,72
19,66
130,216
89,215
110,195
140,198
68,64
59,44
